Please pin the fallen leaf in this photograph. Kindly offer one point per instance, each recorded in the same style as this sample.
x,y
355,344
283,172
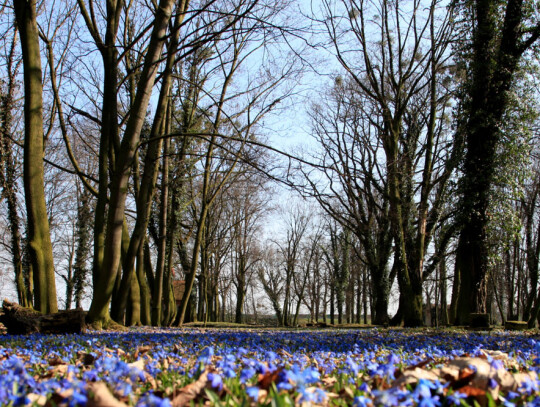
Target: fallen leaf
x,y
466,373
141,350
520,378
86,359
55,361
329,380
413,376
190,392
266,380
100,396
420,364
472,391
59,399
495,354
139,364
36,399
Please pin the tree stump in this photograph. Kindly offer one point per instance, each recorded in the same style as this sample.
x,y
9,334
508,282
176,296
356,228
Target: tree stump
x,y
515,325
477,320
23,321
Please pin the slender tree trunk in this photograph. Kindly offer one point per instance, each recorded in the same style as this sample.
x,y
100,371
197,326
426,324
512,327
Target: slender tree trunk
x,y
162,242
8,176
143,286
133,318
240,289
82,231
444,302
39,239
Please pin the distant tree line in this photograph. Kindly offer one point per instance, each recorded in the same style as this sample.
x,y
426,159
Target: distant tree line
x,y
135,164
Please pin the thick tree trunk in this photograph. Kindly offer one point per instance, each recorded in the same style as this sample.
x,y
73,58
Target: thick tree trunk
x,y
39,239
99,309
494,64
381,294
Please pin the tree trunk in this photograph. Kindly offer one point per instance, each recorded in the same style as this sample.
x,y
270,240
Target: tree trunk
x,y
39,239
8,176
162,242
381,293
443,293
133,317
82,232
240,289
143,286
99,309
495,57
160,126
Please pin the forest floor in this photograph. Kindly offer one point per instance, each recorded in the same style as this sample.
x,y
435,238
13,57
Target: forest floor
x,y
251,366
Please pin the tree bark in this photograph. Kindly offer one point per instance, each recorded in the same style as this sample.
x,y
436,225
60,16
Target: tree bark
x,y
99,309
495,57
8,176
39,239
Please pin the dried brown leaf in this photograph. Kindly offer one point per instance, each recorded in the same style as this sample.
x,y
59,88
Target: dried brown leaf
x,y
413,376
100,396
191,391
56,361
86,359
472,391
266,380
141,350
139,364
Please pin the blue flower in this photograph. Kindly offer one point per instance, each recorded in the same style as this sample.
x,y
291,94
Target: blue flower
x,y
456,397
246,374
151,400
352,366
310,375
215,381
286,379
253,392
361,401
393,359
78,399
205,356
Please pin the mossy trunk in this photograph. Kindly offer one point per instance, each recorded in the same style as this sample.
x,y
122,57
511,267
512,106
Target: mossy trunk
x,y
39,239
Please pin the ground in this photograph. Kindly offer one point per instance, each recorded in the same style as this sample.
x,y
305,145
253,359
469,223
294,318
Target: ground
x,y
226,367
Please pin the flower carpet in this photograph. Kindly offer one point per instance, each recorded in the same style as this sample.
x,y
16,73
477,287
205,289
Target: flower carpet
x,y
233,367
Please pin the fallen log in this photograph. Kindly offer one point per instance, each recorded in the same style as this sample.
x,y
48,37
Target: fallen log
x,y
23,321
